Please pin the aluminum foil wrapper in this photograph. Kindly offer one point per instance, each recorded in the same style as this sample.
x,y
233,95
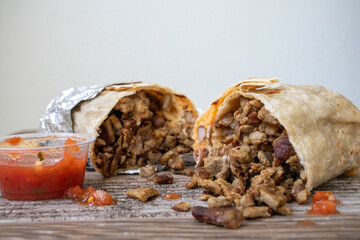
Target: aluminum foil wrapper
x,y
57,116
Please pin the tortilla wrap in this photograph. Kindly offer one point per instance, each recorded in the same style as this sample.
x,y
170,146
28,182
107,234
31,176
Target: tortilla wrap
x,y
115,116
322,126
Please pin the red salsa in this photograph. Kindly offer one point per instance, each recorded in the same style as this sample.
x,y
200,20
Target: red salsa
x,y
41,181
13,141
171,196
324,202
89,196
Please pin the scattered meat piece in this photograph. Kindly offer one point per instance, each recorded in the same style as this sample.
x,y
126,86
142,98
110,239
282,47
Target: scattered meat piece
x,y
99,142
181,149
303,175
205,197
182,207
246,201
257,138
164,179
148,172
158,120
263,158
211,186
226,217
225,186
199,174
170,141
125,105
154,156
220,201
270,198
266,117
186,171
282,149
166,157
171,196
176,163
109,149
284,210
142,193
299,193
294,163
240,154
218,167
116,124
256,212
226,120
253,118
107,132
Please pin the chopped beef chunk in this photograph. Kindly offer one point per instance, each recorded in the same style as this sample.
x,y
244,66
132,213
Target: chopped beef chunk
x,y
143,194
211,186
298,191
186,171
220,201
226,217
283,149
99,142
199,174
137,133
164,179
148,172
182,207
176,163
116,124
248,160
218,167
256,212
107,132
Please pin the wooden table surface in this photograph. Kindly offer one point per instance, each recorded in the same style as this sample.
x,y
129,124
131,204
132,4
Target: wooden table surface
x,y
132,219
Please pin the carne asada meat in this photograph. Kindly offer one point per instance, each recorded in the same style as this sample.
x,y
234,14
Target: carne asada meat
x,y
261,147
137,125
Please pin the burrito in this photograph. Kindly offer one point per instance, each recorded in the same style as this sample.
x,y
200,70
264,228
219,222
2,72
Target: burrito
x,y
135,125
262,143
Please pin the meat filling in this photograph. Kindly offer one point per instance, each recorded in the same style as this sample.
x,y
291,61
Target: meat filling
x,y
137,133
251,152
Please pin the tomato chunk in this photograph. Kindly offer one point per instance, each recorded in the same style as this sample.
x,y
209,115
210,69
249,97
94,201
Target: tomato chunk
x,y
13,141
323,207
170,196
69,141
74,192
89,196
323,195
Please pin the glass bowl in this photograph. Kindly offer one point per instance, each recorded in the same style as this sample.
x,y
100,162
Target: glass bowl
x,y
42,166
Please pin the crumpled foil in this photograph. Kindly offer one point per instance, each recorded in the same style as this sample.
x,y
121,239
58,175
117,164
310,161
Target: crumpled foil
x,y
57,116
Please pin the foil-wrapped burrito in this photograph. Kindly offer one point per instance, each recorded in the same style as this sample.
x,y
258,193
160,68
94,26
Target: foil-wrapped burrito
x,y
135,124
275,142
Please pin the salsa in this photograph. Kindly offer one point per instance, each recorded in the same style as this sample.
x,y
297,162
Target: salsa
x,y
13,141
324,202
42,181
89,196
171,196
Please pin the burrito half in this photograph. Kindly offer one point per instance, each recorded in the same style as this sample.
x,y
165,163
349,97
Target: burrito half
x,y
265,144
135,125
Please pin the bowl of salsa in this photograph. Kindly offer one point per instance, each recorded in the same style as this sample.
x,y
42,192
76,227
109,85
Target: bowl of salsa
x,y
42,166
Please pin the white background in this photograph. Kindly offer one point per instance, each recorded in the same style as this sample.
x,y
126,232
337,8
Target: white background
x,y
196,47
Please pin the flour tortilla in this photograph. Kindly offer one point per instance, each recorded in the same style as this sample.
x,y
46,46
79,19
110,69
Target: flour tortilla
x,y
88,115
323,126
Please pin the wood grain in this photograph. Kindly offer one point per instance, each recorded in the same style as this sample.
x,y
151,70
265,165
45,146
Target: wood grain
x,y
131,219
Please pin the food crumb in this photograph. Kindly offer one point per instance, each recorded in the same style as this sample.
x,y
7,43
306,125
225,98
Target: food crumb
x,y
182,207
